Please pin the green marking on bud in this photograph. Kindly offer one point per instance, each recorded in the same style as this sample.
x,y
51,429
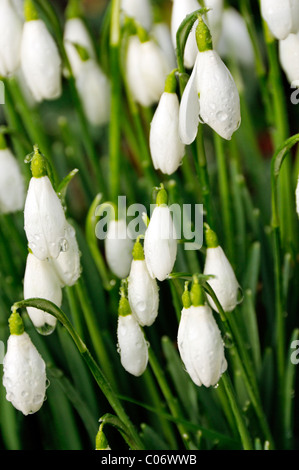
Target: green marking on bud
x,y
82,51
138,253
211,237
3,145
38,164
142,33
197,294
203,36
170,82
162,197
30,12
186,298
124,308
16,325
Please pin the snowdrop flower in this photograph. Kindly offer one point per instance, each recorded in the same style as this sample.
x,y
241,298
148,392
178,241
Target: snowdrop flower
x,y
167,149
132,346
180,10
143,293
44,218
146,70
67,265
24,370
94,89
41,281
76,35
224,283
12,188
160,241
118,248
282,16
297,197
140,10
161,33
199,340
214,18
235,40
289,58
11,27
210,95
40,60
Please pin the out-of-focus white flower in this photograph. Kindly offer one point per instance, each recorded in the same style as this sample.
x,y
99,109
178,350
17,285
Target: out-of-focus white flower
x,y
41,281
76,34
11,27
235,41
94,89
289,58
179,12
160,241
146,70
24,374
118,248
140,10
132,346
214,18
167,149
210,95
297,197
201,346
12,188
40,61
224,283
67,265
282,16
161,32
143,293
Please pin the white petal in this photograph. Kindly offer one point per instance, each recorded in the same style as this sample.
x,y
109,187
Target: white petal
x,y
189,109
161,33
214,18
12,188
143,294
167,149
179,12
41,281
44,219
289,57
67,265
11,28
40,61
219,97
225,284
24,374
132,346
118,248
160,243
133,73
76,33
140,10
282,17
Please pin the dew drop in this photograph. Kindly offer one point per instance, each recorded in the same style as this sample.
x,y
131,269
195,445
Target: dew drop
x,y
46,329
221,116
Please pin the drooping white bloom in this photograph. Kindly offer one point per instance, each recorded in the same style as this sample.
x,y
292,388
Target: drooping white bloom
x,y
224,284
140,10
289,58
40,61
180,10
118,248
214,18
41,281
132,346
94,89
211,96
297,197
161,32
146,70
143,293
235,41
76,34
67,265
12,188
167,149
44,219
11,27
201,346
160,243
282,16
24,374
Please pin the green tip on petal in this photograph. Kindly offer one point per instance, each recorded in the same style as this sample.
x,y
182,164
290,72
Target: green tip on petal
x,y
138,253
162,197
203,36
30,12
197,294
82,51
211,238
101,440
124,308
186,298
16,325
73,9
38,164
3,145
171,83
142,33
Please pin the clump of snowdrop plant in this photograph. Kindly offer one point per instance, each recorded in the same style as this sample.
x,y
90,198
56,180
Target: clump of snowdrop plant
x,y
211,95
12,187
11,28
199,339
24,370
